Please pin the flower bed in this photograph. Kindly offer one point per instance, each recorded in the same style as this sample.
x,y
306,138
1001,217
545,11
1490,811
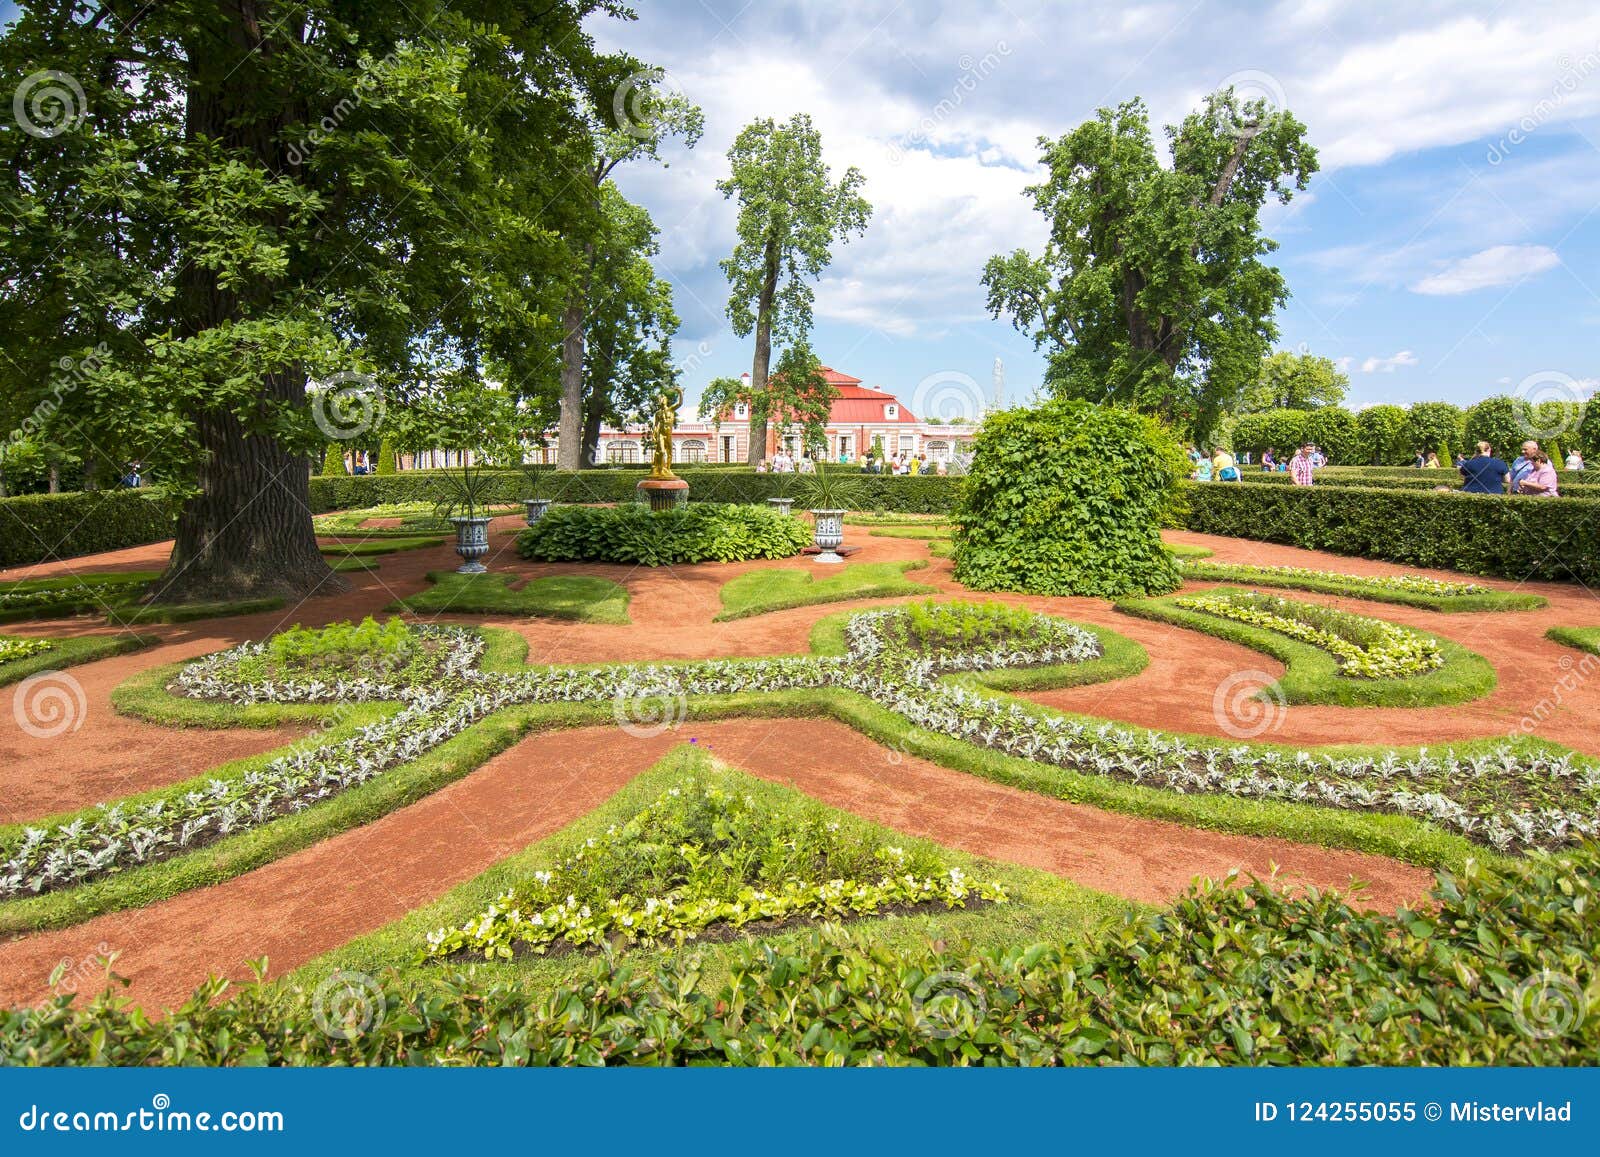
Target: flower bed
x,y
1365,648
1508,797
702,858
59,598
1411,589
12,649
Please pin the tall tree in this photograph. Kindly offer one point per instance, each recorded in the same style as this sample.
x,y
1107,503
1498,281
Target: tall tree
x,y
790,214
251,194
1152,290
638,115
1291,381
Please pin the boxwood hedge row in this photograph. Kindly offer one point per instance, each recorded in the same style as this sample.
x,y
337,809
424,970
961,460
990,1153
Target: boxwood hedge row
x,y
1516,538
37,527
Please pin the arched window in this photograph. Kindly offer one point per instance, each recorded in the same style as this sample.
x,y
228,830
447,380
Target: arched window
x,y
622,451
690,450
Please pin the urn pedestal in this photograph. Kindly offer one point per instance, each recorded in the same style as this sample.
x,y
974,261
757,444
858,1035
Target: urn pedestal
x,y
472,542
783,506
535,508
829,534
663,493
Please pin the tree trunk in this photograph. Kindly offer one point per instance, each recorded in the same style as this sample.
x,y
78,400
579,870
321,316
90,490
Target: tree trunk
x,y
248,533
53,486
592,415
569,436
763,358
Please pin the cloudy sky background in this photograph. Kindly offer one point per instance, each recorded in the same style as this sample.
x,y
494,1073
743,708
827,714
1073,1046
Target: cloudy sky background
x,y
1433,256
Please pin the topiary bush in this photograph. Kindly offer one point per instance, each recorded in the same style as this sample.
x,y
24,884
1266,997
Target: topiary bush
x,y
1068,499
699,532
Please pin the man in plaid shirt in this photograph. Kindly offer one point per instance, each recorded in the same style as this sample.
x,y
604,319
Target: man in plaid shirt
x,y
1301,467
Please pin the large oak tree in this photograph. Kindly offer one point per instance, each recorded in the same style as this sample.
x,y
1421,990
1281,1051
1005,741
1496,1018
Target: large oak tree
x,y
1152,290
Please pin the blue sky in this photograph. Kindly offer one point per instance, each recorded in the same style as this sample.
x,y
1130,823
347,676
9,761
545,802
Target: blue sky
x,y
1450,248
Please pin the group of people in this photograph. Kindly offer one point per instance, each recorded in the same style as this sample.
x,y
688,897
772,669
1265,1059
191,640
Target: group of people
x,y
904,464
1222,466
1532,473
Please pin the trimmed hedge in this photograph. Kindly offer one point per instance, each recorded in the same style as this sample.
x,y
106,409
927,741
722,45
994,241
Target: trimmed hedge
x,y
39,527
1573,483
1514,538
924,494
702,532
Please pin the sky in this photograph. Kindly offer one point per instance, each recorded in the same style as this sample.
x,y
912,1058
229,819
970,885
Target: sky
x,y
1449,248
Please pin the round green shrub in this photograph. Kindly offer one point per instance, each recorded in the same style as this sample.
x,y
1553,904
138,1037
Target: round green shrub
x,y
1068,499
699,532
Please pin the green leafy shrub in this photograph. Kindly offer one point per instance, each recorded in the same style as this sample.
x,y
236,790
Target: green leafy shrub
x,y
333,461
702,856
699,532
40,527
1514,538
13,649
386,461
1067,499
368,647
1485,974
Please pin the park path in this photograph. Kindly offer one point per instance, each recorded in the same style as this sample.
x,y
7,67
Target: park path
x,y
308,903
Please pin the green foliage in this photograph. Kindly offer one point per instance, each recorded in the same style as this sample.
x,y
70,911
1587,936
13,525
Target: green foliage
x,y
1281,431
386,458
1067,499
14,650
1291,381
1227,975
1514,538
1365,648
715,852
60,653
41,527
131,615
387,644
581,597
1384,438
1583,638
780,588
383,544
333,460
1152,290
698,532
1436,426
1408,590
1335,430
54,598
1503,422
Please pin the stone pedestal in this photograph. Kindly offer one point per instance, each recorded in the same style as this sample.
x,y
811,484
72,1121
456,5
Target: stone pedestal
x,y
663,493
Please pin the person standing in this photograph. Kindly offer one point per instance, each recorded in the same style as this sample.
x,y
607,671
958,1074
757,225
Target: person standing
x,y
1303,467
1574,459
1540,480
1224,467
1484,473
1523,466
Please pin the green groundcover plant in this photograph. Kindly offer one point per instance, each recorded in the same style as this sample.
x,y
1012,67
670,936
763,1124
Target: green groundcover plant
x,y
1068,499
1499,968
705,857
699,532
1407,589
14,649
1365,648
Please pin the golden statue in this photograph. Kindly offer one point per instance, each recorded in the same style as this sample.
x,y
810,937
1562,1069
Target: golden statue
x,y
661,425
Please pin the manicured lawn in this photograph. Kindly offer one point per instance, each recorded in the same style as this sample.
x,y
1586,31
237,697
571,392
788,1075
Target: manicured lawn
x,y
377,546
1583,638
1410,591
69,595
780,588
1314,675
930,530
1185,550
581,597
130,615
71,652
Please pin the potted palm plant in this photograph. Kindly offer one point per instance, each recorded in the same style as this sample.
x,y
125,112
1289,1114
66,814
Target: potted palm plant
x,y
537,501
828,497
782,497
465,505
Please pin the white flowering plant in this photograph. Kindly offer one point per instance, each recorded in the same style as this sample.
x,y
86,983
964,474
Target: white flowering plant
x,y
14,648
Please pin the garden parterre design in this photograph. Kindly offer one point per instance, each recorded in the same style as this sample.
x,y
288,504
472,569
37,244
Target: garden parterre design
x,y
170,943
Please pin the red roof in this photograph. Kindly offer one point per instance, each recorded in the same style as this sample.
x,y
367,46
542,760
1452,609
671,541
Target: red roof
x,y
857,404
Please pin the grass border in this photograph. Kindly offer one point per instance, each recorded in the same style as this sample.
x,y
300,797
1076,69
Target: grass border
x,y
1354,587
71,653
1312,674
610,611
1578,638
887,590
135,613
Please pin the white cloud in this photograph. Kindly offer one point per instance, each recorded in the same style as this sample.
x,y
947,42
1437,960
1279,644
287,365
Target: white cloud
x,y
1499,265
1390,364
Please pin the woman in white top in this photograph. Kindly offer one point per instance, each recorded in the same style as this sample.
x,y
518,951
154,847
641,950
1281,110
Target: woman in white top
x,y
1574,461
